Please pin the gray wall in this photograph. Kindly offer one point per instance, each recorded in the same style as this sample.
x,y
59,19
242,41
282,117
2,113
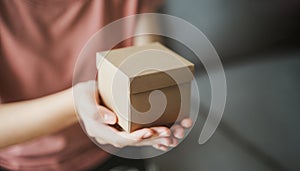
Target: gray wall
x,y
259,128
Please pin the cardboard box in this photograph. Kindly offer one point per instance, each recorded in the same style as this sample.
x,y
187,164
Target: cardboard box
x,y
128,80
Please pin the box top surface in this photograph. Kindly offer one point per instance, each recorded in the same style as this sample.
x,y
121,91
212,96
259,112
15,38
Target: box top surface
x,y
149,66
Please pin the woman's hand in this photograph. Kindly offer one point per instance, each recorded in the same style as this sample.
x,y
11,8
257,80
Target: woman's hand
x,y
98,122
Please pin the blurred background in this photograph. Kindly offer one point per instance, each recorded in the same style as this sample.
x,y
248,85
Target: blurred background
x,y
259,44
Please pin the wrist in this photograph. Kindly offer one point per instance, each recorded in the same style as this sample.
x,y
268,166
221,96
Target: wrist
x,y
69,106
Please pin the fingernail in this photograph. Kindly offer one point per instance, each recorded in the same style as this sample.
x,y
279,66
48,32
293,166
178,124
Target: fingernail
x,y
147,135
105,117
108,118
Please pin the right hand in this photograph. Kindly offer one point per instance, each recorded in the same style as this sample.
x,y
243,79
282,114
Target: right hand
x,y
98,122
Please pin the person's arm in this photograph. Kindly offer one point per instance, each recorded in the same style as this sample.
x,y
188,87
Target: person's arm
x,y
25,120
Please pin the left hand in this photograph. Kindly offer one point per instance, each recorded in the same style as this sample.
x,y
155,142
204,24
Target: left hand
x,y
103,131
177,132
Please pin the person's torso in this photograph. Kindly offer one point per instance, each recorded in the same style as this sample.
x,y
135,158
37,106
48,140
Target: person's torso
x,y
40,42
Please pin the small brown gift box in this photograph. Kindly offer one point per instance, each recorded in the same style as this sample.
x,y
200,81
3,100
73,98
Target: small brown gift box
x,y
145,86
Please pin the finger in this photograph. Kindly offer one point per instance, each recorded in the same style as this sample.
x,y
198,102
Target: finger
x,y
141,134
110,135
161,147
136,136
161,131
178,131
174,142
166,141
186,123
107,116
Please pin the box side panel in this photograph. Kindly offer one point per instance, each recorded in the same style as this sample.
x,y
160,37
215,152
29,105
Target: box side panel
x,y
177,106
113,87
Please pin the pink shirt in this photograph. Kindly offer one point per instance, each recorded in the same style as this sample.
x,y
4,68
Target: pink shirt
x,y
40,41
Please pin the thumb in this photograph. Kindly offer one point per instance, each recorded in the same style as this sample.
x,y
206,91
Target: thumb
x,y
107,116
